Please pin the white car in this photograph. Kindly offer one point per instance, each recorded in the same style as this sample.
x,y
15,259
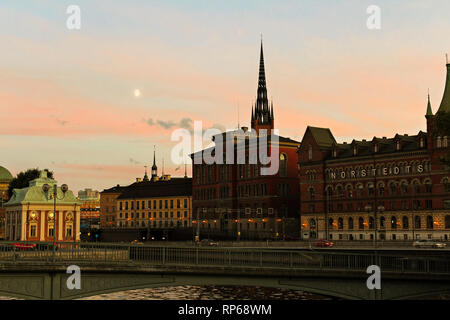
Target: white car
x,y
429,244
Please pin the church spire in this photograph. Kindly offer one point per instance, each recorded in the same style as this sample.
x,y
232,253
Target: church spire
x,y
145,175
429,111
154,167
262,115
445,104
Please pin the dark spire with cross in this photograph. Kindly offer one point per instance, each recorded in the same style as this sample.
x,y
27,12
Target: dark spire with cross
x,y
154,167
262,115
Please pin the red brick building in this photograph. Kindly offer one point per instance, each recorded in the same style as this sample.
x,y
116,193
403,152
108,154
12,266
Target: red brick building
x,y
384,188
237,199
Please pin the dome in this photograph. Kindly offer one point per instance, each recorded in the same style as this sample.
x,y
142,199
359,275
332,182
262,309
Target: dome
x,y
5,175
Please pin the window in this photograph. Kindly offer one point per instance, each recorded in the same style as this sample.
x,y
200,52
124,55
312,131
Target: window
x,y
382,222
393,223
51,231
310,155
371,189
350,223
447,222
359,190
446,183
445,142
417,222
371,223
404,187
438,142
311,193
428,187
283,165
33,231
349,192
429,222
405,222
361,223
69,232
341,223
393,188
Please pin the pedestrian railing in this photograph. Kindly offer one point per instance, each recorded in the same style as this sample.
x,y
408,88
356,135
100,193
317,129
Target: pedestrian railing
x,y
125,254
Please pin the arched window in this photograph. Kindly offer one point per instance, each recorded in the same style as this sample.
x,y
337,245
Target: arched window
x,y
438,142
428,186
371,223
397,145
371,189
393,222
350,223
447,222
405,222
445,142
361,223
283,165
340,223
404,187
310,155
382,222
312,223
359,190
429,222
393,188
330,223
349,192
340,193
416,187
417,222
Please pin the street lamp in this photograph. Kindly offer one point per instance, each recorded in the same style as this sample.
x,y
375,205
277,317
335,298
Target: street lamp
x,y
376,210
64,189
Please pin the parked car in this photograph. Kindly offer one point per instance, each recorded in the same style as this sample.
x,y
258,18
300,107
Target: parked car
x,y
426,243
23,246
322,243
209,243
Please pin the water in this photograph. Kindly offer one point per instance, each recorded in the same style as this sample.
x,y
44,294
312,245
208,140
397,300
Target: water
x,y
205,293
209,293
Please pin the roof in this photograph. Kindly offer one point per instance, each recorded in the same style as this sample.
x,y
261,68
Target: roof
x,y
116,189
385,145
323,136
5,175
34,193
445,103
175,187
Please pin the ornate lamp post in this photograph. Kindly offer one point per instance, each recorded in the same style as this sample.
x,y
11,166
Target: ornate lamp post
x,y
64,189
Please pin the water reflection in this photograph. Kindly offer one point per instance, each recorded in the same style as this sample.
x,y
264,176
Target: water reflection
x,y
209,293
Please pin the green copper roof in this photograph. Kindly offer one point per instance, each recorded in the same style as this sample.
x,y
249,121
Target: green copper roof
x,y
34,194
5,175
445,104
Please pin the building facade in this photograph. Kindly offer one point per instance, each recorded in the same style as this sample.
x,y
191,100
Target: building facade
x,y
90,208
164,203
235,199
30,213
5,179
108,205
383,189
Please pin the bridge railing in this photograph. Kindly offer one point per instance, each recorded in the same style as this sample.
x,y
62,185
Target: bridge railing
x,y
121,254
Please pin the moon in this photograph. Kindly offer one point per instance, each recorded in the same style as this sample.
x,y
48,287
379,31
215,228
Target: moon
x,y
137,93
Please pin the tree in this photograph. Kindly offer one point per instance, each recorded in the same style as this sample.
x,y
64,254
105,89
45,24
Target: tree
x,y
22,180
442,128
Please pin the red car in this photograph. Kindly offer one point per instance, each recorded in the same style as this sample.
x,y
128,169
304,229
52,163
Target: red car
x,y
23,246
324,243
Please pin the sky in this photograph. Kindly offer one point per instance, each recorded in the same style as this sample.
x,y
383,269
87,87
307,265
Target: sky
x,y
68,98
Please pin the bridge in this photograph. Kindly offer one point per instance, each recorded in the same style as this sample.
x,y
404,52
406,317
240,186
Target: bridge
x,y
41,273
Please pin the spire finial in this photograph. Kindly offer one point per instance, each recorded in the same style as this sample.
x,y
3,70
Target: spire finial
x,y
429,111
